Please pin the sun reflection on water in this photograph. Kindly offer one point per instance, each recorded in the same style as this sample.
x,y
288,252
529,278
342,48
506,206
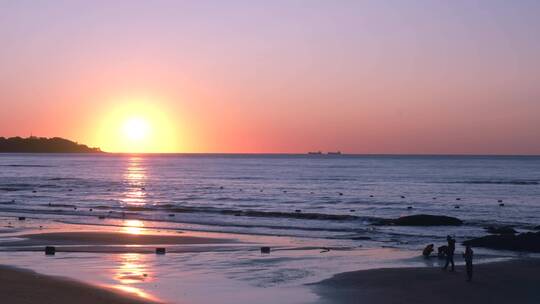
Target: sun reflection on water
x,y
135,178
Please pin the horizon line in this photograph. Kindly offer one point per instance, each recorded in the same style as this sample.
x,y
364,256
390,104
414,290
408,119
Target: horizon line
x,y
282,154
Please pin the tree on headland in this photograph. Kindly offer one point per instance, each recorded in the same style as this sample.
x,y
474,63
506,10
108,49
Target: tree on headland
x,y
35,144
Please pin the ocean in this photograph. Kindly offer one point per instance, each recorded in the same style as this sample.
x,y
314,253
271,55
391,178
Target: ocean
x,y
316,212
331,199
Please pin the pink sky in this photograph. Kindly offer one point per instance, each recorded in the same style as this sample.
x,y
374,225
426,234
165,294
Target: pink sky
x,y
283,76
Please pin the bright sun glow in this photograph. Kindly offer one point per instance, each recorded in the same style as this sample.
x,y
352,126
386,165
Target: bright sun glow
x,y
137,126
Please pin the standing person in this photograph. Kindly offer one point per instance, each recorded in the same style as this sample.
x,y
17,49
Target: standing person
x,y
450,252
468,256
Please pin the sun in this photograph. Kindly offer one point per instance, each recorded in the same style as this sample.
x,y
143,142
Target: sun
x,y
136,128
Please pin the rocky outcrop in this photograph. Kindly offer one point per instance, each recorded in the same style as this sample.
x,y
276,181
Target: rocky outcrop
x,y
501,230
422,220
529,241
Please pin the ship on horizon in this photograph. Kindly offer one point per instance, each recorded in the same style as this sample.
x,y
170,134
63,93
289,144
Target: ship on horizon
x,y
334,153
321,153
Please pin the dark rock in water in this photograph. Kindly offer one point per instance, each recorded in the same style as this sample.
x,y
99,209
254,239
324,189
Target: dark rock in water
x,y
529,241
371,196
360,238
91,209
537,227
352,210
402,196
50,250
458,199
340,193
34,191
265,249
298,214
171,214
456,206
101,217
422,220
501,205
22,218
221,187
70,189
160,250
501,230
499,201
409,208
434,198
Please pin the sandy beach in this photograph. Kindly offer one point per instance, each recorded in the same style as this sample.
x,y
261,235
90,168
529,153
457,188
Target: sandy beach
x,y
19,286
500,282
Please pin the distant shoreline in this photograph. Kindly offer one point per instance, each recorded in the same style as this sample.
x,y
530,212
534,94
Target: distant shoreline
x,y
43,145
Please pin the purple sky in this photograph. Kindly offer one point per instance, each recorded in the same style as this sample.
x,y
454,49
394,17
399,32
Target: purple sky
x,y
280,76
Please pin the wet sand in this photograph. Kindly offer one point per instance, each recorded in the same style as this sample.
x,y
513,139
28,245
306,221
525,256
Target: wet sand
x,y
109,238
500,282
19,286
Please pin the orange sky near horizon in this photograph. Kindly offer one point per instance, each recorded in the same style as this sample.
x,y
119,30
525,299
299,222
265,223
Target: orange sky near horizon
x,y
214,77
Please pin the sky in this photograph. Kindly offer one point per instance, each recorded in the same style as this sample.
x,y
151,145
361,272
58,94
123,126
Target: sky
x,y
396,77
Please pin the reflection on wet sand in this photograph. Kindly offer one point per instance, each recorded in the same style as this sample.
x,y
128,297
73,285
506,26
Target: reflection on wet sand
x,y
132,226
132,270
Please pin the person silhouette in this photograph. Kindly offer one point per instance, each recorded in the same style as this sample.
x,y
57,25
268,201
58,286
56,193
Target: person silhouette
x,y
428,250
468,256
441,252
450,252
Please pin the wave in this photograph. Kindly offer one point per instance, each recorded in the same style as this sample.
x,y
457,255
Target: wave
x,y
28,166
297,214
171,208
24,187
16,187
499,182
197,221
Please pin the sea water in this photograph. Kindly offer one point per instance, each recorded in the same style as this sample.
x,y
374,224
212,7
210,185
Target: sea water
x,y
308,201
